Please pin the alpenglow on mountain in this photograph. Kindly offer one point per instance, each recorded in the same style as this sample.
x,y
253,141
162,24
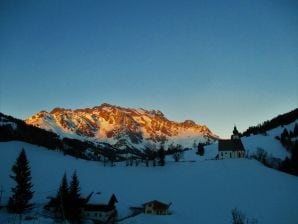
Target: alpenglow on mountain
x,y
121,127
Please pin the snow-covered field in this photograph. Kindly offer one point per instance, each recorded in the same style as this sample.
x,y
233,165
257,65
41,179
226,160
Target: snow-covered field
x,y
200,191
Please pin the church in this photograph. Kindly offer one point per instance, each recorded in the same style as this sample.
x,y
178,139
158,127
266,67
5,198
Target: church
x,y
231,148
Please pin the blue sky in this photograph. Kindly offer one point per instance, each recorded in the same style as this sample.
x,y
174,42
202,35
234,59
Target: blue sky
x,y
218,63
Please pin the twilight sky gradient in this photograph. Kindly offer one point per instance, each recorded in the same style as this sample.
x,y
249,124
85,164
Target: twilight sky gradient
x,y
218,63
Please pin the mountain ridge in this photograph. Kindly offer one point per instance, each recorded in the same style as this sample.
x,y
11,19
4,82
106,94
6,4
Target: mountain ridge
x,y
121,126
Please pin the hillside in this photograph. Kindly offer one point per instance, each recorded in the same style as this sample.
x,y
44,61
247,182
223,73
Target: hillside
x,y
268,142
121,127
274,148
280,120
12,129
200,191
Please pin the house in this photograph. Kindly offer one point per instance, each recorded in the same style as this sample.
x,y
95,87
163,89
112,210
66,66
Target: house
x,y
156,208
231,148
101,213
98,213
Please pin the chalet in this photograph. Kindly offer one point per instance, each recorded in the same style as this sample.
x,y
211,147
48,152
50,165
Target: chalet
x,y
156,208
231,148
98,213
101,213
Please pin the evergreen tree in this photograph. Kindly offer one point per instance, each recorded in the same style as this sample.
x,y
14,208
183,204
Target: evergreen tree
x,y
294,158
291,165
296,130
285,133
161,155
19,202
75,200
63,198
154,162
284,137
286,165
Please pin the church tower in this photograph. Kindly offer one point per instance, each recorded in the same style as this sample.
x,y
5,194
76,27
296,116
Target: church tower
x,y
235,134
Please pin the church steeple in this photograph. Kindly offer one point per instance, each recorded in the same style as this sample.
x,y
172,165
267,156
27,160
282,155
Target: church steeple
x,y
112,201
235,133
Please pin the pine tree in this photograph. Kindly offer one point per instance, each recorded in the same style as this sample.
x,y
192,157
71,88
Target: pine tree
x,y
296,130
294,158
284,137
75,200
154,162
63,198
19,202
285,133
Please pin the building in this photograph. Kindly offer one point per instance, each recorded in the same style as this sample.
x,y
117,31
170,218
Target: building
x,y
235,135
101,213
156,208
231,148
98,213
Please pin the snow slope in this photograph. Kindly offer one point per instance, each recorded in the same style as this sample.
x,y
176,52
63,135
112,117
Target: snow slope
x,y
271,145
268,142
200,191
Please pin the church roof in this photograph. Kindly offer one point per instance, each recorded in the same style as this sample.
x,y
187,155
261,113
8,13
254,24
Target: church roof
x,y
102,207
230,145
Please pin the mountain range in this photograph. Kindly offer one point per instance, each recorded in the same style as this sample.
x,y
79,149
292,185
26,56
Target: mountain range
x,y
121,127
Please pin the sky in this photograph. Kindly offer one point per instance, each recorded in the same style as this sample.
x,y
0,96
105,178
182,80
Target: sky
x,y
218,63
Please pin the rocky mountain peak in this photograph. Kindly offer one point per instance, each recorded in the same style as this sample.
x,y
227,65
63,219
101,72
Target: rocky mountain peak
x,y
189,122
157,113
116,125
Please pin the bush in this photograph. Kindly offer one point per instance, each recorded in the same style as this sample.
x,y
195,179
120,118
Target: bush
x,y
261,155
237,216
178,155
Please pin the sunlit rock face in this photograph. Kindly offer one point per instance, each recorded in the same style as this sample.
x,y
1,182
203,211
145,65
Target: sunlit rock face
x,y
121,126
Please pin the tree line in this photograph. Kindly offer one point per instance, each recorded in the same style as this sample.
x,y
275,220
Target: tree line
x,y
280,120
289,139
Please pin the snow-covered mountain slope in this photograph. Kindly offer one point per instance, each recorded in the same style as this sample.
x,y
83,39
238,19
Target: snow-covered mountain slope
x,y
268,142
121,126
200,191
